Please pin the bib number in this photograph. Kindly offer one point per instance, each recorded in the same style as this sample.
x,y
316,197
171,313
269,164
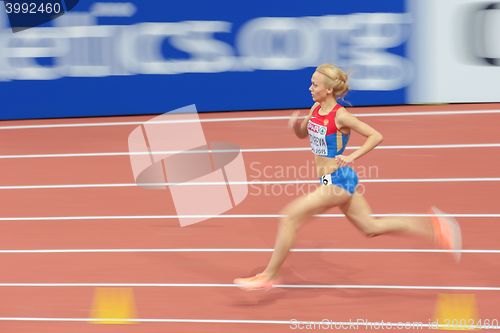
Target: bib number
x,y
317,136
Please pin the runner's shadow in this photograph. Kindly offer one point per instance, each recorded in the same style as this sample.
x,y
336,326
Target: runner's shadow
x,y
315,270
300,269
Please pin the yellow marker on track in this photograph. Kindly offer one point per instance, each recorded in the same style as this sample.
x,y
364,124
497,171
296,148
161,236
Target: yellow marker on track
x,y
457,312
113,306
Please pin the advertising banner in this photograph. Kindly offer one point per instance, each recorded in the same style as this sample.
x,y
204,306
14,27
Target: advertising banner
x,y
147,57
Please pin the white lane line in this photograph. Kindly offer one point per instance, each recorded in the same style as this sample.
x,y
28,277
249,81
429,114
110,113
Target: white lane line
x,y
253,182
246,150
225,216
293,323
429,180
237,119
232,285
172,152
227,250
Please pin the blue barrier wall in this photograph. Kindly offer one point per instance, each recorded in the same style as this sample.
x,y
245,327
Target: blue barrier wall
x,y
145,57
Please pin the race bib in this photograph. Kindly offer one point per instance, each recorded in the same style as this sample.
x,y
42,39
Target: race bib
x,y
317,136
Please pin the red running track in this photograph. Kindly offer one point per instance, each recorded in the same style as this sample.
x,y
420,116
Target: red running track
x,y
388,272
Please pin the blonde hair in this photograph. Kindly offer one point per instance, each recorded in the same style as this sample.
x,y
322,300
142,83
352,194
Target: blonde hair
x,y
335,78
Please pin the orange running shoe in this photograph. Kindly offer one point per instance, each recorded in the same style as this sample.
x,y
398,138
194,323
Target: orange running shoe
x,y
259,282
447,233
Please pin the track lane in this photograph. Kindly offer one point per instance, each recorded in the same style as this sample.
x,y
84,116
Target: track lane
x,y
264,199
476,128
222,268
233,304
479,233
430,163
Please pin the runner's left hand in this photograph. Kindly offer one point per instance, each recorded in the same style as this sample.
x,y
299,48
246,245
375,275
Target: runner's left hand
x,y
344,160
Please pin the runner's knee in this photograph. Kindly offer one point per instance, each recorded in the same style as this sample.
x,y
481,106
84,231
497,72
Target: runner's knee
x,y
291,218
372,228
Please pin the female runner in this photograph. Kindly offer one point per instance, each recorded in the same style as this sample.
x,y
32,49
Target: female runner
x,y
328,126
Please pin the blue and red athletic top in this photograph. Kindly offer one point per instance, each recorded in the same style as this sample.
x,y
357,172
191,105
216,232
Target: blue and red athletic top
x,y
326,139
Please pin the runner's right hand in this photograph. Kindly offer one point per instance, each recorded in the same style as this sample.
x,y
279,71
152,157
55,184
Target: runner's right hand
x,y
294,120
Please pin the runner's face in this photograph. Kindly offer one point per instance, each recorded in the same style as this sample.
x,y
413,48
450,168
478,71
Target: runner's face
x,y
319,91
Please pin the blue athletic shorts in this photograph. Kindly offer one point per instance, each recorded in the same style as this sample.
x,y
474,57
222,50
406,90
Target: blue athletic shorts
x,y
344,177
